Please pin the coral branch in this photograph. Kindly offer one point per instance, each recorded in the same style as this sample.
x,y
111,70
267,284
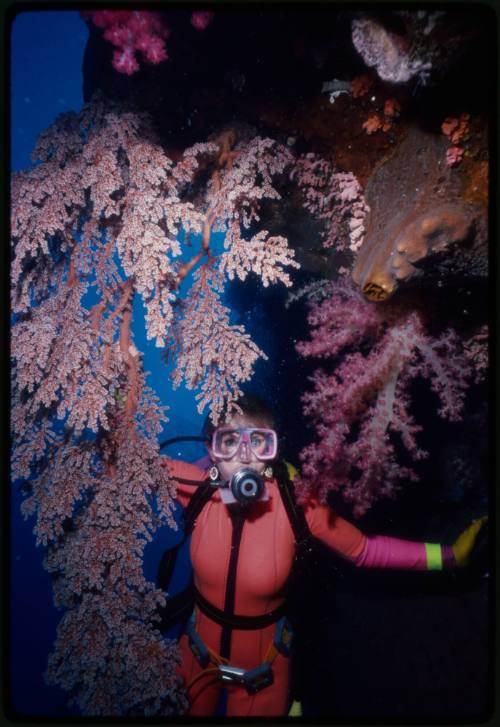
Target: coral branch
x,y
335,198
359,407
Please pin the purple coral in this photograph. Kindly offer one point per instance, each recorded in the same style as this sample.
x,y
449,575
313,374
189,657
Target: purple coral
x,y
356,408
390,54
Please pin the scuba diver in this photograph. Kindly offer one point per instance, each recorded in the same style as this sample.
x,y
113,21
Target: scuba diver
x,y
245,531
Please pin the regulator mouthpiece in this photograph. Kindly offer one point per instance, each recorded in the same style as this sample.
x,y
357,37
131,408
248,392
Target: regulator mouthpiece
x,y
247,486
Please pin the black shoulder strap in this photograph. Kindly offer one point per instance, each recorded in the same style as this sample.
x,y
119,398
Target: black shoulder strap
x,y
196,505
295,513
193,509
182,603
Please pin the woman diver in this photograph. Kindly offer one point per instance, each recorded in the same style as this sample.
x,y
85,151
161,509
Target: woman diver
x,y
245,527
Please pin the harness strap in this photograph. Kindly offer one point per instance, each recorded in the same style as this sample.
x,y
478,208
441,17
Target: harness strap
x,y
179,604
235,621
217,666
195,506
296,514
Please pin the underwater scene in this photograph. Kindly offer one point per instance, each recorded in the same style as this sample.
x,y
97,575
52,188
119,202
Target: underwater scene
x,y
250,392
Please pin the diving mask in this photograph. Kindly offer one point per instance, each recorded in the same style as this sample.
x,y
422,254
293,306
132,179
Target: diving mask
x,y
231,442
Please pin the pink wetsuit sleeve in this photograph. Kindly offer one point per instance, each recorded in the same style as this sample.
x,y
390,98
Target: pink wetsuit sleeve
x,y
382,551
378,551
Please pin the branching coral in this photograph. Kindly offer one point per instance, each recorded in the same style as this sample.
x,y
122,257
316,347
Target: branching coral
x,y
101,218
360,406
335,198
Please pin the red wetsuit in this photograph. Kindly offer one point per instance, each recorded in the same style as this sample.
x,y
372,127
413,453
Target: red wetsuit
x,y
266,548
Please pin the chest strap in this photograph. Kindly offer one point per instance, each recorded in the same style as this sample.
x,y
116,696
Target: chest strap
x,y
234,621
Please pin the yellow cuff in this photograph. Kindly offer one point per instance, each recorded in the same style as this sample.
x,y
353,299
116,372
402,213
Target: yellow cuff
x,y
295,710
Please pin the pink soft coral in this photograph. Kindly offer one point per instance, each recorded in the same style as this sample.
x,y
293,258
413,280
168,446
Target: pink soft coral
x,y
365,399
133,31
454,155
201,19
130,32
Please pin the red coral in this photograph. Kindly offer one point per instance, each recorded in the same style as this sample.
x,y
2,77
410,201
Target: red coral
x,y
392,108
456,129
373,123
360,85
365,400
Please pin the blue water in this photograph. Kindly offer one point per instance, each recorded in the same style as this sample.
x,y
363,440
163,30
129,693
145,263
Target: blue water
x,y
46,79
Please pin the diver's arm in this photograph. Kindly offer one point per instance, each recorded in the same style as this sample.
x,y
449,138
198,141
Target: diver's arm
x,y
377,551
382,551
184,471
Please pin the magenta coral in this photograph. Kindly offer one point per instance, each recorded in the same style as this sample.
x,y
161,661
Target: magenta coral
x,y
358,407
131,32
201,19
476,351
138,31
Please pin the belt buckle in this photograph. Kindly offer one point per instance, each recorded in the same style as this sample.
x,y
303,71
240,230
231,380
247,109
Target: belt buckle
x,y
231,673
253,680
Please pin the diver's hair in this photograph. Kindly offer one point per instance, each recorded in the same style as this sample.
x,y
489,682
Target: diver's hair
x,y
251,406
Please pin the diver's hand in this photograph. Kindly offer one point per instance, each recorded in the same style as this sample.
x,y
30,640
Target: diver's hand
x,y
463,545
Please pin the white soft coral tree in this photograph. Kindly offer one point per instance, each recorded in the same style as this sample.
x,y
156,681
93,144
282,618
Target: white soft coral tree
x,y
101,217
